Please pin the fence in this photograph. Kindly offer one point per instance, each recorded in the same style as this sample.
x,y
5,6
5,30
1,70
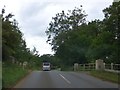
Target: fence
x,y
92,66
112,66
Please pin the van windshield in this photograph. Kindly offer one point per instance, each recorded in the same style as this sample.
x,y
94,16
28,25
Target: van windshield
x,y
46,64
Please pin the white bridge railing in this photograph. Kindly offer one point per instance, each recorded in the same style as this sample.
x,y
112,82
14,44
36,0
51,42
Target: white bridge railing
x,y
92,66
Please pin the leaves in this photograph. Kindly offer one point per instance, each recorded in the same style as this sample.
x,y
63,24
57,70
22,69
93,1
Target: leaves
x,y
63,23
13,44
74,40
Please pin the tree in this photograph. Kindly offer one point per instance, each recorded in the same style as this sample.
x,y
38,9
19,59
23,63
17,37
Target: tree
x,y
112,25
13,43
11,36
74,40
61,38
63,23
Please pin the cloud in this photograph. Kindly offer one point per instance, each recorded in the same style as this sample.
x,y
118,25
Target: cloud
x,y
40,44
94,9
34,16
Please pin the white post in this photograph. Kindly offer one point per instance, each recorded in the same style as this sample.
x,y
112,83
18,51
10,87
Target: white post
x,y
84,66
20,63
75,66
111,66
24,64
104,65
99,64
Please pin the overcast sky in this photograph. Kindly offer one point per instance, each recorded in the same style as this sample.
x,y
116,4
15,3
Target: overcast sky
x,y
34,16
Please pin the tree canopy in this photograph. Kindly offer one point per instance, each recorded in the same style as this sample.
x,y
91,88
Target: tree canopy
x,y
75,40
13,43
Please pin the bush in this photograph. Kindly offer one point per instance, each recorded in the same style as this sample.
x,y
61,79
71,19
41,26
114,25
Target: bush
x,y
11,74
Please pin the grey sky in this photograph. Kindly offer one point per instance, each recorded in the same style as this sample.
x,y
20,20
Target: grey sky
x,y
34,16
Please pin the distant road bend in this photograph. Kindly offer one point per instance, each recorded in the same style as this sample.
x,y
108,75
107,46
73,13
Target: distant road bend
x,y
59,79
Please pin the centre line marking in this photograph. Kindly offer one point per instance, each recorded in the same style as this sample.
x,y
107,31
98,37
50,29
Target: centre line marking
x,y
65,79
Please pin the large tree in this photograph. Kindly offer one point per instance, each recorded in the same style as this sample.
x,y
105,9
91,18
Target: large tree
x,y
61,38
112,25
74,40
106,45
11,36
13,43
61,24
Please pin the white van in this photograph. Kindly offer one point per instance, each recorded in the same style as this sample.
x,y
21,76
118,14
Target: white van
x,y
46,66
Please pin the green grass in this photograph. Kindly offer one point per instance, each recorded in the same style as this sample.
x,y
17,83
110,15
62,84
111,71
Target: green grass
x,y
104,75
11,74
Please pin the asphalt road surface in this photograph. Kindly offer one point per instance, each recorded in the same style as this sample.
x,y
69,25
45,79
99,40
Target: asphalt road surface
x,y
59,79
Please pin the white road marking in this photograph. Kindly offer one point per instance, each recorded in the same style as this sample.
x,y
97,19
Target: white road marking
x,y
65,79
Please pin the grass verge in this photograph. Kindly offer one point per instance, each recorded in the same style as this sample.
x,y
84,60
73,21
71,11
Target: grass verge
x,y
108,76
11,74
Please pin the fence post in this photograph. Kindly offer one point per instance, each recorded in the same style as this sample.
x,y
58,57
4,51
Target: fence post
x,y
84,66
104,66
20,64
111,66
75,66
99,64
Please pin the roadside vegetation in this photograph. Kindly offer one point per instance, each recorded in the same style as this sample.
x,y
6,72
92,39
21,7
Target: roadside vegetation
x,y
76,40
15,52
104,75
12,74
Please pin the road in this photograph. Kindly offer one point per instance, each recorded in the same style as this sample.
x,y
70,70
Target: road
x,y
59,79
